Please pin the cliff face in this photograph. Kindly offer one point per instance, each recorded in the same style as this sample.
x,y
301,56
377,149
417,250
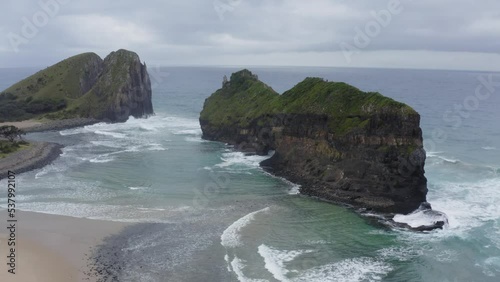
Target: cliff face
x,y
124,86
339,143
91,70
84,86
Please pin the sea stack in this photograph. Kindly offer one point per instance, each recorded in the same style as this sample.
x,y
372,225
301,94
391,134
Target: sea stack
x,y
84,86
339,143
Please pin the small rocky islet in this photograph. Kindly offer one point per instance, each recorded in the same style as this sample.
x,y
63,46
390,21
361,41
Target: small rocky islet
x,y
339,143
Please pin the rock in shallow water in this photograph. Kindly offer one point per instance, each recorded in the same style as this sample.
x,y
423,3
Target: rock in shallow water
x,y
422,219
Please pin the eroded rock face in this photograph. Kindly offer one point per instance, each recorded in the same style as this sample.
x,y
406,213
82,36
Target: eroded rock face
x,y
125,86
92,70
339,143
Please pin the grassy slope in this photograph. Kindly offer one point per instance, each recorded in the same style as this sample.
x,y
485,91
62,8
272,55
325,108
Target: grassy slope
x,y
58,82
247,98
61,80
242,101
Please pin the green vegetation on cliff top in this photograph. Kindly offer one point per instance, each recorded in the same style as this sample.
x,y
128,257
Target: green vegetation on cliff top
x,y
65,89
245,98
48,90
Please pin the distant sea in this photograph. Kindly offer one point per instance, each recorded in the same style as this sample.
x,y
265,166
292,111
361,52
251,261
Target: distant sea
x,y
208,213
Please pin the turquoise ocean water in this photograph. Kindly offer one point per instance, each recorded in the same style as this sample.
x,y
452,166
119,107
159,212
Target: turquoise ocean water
x,y
209,213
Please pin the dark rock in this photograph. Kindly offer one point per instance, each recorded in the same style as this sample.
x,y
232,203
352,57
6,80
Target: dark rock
x,y
341,144
425,213
125,86
122,89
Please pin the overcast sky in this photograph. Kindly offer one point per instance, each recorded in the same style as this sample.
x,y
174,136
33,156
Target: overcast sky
x,y
444,34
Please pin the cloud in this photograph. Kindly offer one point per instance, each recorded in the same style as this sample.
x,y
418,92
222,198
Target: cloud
x,y
102,31
487,26
234,31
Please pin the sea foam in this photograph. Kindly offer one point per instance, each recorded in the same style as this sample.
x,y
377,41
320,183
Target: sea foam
x,y
275,260
348,270
231,237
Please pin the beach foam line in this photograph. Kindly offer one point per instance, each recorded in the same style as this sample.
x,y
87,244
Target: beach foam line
x,y
74,131
101,160
112,134
434,154
275,260
138,188
445,159
156,147
438,155
106,143
294,187
195,132
241,159
49,169
237,266
231,237
151,209
348,270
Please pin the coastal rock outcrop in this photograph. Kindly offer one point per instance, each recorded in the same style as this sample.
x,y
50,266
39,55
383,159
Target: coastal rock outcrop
x,y
83,86
341,144
123,88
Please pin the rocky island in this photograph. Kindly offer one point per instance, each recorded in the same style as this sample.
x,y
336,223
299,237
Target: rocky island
x,y
83,86
80,90
339,143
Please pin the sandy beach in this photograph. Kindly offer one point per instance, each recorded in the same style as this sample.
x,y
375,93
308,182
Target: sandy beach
x,y
52,248
48,248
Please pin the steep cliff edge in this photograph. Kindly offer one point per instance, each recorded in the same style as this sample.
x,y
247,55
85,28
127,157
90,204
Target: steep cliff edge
x,y
122,90
83,86
339,143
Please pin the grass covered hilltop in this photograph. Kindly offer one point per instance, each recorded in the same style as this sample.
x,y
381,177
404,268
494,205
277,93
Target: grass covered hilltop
x,y
83,86
340,143
245,98
80,90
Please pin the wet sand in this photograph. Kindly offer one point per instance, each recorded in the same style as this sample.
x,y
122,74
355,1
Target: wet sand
x,y
53,248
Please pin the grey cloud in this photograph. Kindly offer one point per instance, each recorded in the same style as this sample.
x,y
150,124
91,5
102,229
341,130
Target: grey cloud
x,y
186,31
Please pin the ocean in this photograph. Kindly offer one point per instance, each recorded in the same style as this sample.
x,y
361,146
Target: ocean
x,y
208,213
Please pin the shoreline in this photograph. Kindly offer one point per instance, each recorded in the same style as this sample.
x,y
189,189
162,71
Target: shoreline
x,y
37,156
40,154
30,126
51,248
54,248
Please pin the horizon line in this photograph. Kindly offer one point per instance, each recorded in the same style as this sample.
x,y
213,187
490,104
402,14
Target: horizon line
x,y
282,66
